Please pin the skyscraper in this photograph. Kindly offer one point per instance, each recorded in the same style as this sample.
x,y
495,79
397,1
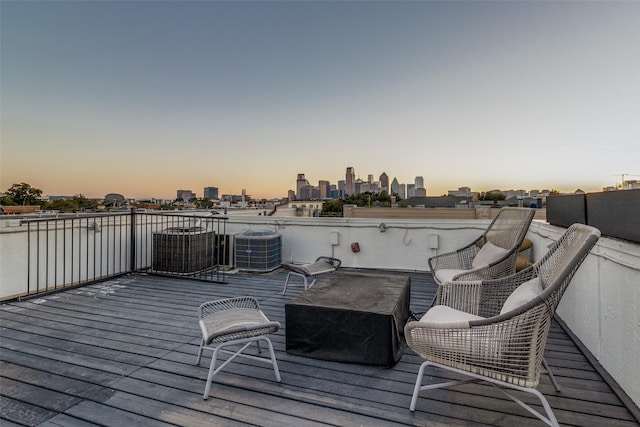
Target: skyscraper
x,y
411,190
384,182
301,182
350,181
185,195
211,193
395,186
325,189
419,182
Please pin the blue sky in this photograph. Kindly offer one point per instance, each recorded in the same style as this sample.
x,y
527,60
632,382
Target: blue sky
x,y
143,98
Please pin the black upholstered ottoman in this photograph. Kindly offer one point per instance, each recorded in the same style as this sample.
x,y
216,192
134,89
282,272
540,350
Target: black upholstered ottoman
x,y
350,317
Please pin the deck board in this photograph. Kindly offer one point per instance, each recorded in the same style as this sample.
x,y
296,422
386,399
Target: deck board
x,y
122,352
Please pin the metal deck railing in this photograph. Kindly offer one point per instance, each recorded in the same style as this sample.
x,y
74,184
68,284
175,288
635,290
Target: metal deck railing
x,y
74,250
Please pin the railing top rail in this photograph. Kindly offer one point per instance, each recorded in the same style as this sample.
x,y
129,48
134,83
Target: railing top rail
x,y
60,216
182,214
73,216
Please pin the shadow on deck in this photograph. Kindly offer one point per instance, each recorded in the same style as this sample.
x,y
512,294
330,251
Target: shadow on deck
x,y
122,353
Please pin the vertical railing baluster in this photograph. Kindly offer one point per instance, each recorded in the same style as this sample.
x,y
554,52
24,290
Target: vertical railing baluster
x,y
38,258
132,266
28,258
120,244
79,250
95,237
114,245
72,250
46,259
86,250
64,253
55,252
101,245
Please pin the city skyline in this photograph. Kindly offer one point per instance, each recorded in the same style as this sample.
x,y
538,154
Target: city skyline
x,y
302,181
143,98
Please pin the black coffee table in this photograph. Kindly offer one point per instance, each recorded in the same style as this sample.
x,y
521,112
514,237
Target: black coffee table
x,y
350,317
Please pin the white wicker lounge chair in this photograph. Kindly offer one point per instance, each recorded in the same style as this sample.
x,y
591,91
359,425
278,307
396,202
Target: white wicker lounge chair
x,y
321,265
491,255
496,330
234,322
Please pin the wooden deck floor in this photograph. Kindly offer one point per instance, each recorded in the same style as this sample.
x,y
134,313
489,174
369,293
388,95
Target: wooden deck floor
x,y
122,353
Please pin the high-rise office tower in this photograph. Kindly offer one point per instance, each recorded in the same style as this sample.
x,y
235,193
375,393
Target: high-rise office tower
x,y
334,193
411,190
370,178
421,192
185,195
395,186
350,181
419,182
384,182
306,192
301,182
324,189
341,188
211,193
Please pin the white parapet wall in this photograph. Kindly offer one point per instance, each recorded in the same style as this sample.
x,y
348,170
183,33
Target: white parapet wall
x,y
602,305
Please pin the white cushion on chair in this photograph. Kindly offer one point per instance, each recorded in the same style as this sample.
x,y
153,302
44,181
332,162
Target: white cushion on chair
x,y
445,314
488,254
447,274
522,295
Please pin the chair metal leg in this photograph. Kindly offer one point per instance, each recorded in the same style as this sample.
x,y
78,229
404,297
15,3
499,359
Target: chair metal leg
x,y
416,389
550,419
550,374
213,370
211,373
286,281
274,362
304,278
200,352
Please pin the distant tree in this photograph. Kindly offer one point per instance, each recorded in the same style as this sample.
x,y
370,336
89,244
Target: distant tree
x,y
332,207
7,201
24,194
63,205
492,195
206,203
385,199
366,199
369,199
202,203
84,203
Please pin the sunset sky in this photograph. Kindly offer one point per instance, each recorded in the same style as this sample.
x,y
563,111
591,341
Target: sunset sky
x,y
143,98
